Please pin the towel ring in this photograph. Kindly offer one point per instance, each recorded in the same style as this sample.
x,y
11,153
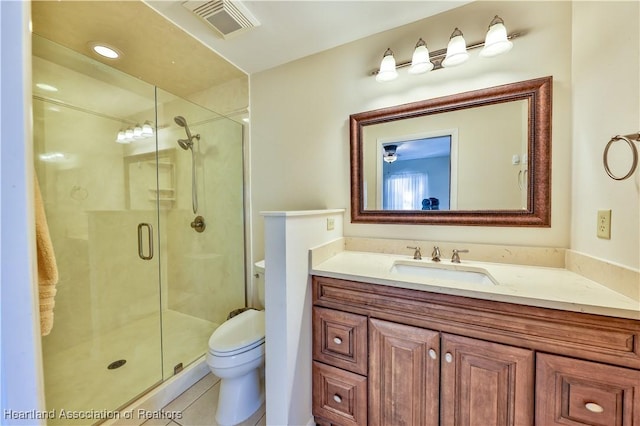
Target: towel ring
x,y
634,152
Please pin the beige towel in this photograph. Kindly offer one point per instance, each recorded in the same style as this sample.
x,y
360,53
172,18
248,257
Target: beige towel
x,y
47,269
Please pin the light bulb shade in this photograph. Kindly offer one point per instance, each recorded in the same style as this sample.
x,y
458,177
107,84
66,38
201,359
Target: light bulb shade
x,y
420,62
496,41
137,132
390,158
456,50
387,67
147,130
121,137
128,135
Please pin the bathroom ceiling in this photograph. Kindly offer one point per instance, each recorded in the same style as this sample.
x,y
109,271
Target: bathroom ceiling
x,y
294,29
190,57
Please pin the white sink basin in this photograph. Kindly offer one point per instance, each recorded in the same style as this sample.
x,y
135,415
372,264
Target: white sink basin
x,y
467,274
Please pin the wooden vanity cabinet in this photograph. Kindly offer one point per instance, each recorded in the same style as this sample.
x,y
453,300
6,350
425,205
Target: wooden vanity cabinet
x,y
419,358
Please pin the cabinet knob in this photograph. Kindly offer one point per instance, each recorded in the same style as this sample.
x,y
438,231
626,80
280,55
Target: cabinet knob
x,y
432,354
337,340
593,407
448,357
337,398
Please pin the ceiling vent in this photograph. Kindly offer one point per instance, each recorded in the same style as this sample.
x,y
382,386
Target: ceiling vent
x,y
228,17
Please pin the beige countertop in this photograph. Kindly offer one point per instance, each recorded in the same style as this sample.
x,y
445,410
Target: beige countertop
x,y
547,287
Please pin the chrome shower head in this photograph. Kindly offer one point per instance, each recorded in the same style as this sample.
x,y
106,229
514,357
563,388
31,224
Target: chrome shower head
x,y
185,143
180,121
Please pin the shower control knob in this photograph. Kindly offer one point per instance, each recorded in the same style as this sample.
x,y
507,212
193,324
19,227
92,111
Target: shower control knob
x,y
198,224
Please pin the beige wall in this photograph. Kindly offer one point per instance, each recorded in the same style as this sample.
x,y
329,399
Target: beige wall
x,y
300,135
606,99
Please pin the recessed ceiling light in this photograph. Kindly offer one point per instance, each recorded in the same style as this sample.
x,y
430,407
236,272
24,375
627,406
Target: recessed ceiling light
x,y
46,87
105,51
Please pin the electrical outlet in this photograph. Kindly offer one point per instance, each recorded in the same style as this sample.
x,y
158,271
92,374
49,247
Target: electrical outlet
x,y
604,224
331,223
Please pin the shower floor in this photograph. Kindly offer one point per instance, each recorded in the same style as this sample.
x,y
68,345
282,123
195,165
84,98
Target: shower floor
x,y
77,379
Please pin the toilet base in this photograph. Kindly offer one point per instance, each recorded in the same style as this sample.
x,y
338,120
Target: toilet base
x,y
239,398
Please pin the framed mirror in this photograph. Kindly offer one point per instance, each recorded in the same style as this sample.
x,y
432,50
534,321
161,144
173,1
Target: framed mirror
x,y
475,158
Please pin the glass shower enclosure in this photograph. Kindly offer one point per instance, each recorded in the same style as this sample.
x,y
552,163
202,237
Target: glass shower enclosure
x,y
140,289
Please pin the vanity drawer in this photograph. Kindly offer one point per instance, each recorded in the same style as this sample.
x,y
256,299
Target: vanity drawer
x,y
340,339
576,392
339,396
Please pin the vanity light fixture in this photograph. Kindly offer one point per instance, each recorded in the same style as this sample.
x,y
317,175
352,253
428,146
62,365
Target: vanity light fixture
x,y
135,133
387,70
456,50
420,62
496,42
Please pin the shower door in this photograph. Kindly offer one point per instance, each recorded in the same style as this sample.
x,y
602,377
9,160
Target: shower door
x,y
140,289
105,346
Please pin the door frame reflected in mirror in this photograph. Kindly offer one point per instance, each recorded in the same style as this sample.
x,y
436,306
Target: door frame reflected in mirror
x,y
537,93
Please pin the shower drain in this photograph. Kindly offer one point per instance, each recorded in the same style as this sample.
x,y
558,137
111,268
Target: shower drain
x,y
117,364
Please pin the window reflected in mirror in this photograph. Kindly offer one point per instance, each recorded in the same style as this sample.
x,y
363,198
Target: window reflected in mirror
x,y
419,177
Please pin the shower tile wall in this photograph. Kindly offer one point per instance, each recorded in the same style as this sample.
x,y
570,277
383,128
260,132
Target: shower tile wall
x,y
205,269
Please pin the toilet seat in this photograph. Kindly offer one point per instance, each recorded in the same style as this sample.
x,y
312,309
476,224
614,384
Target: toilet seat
x,y
239,334
237,351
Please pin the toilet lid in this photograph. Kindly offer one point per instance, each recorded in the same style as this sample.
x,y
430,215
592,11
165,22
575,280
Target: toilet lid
x,y
245,329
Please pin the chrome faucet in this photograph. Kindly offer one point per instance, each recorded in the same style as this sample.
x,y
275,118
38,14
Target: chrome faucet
x,y
456,256
435,254
417,255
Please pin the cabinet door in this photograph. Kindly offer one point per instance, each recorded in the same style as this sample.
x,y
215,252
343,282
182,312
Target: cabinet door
x,y
340,397
403,374
485,383
575,392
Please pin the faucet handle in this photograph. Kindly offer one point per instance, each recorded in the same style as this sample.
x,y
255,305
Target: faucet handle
x,y
417,255
435,254
456,256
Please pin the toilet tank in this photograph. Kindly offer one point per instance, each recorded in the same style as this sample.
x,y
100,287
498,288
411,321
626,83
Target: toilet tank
x,y
258,273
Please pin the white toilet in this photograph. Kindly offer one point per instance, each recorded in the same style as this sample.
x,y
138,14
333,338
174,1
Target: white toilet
x,y
236,356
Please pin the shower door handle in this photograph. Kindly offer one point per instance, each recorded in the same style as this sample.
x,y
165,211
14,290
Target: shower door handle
x,y
150,239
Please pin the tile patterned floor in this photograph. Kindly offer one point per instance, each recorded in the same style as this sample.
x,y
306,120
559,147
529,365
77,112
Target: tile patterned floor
x,y
197,407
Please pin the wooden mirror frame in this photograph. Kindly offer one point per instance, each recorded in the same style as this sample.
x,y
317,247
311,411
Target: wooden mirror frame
x,y
538,94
